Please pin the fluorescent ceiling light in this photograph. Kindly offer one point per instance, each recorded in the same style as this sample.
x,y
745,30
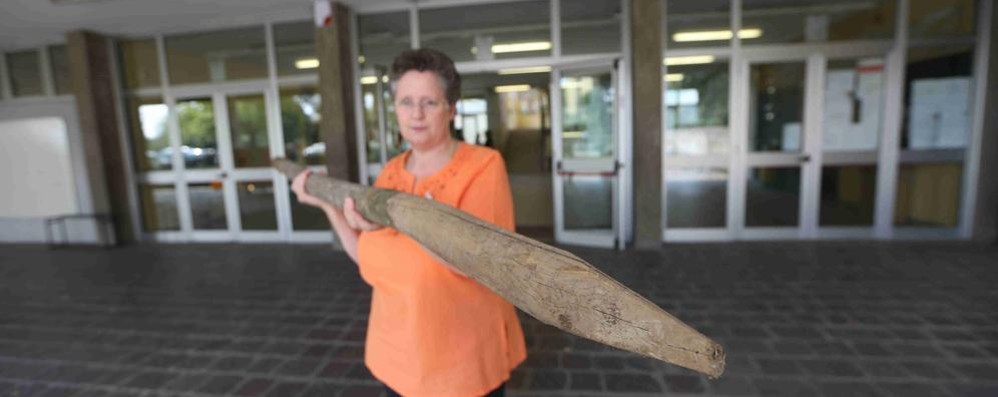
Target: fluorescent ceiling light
x,y
512,88
673,77
531,69
369,80
690,60
521,47
573,134
714,35
307,63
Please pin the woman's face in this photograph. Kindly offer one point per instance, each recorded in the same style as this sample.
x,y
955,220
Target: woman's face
x,y
424,115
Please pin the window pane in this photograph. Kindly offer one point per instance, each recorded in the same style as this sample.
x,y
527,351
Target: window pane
x,y
300,119
248,130
587,116
207,206
256,205
147,122
159,207
588,202
696,197
696,109
928,195
489,31
776,107
383,37
795,21
294,44
590,26
60,69
854,98
934,18
860,20
938,98
217,56
698,23
848,195
25,75
307,217
773,197
197,133
139,63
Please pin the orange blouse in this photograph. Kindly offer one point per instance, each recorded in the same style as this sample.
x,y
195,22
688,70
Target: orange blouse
x,y
434,332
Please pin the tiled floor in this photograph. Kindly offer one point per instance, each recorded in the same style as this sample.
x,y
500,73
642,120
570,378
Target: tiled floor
x,y
797,319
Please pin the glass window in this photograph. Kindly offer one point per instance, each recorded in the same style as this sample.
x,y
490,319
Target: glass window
x,y
696,197
248,131
294,44
854,99
590,26
587,116
300,119
199,146
938,97
256,205
139,63
25,74
383,37
488,31
697,23
147,119
934,18
60,70
225,55
795,21
208,206
307,217
159,207
696,109
928,195
861,20
773,197
588,202
776,107
848,195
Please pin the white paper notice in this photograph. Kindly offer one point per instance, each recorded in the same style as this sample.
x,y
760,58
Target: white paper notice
x,y
939,114
791,137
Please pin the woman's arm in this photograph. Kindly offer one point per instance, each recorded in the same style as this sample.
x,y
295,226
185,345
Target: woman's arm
x,y
347,223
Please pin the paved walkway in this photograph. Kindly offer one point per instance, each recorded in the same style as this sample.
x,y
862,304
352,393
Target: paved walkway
x,y
797,319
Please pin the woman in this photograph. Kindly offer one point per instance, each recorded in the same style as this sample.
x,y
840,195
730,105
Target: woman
x,y
432,331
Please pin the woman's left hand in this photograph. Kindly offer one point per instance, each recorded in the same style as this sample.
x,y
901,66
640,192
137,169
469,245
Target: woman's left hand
x,y
354,219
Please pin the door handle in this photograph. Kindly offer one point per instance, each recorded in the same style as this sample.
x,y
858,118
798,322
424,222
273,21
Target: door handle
x,y
805,158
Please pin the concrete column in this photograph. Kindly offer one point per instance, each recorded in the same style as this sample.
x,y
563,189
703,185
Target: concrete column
x,y
337,126
93,86
646,72
986,209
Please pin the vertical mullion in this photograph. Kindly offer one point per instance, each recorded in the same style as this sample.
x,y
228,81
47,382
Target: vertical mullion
x,y
627,116
414,25
887,167
737,128
358,103
973,158
813,129
664,182
556,28
173,127
6,91
556,142
275,135
226,163
45,67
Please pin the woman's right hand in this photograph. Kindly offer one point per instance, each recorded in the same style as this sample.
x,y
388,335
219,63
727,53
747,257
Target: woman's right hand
x,y
348,214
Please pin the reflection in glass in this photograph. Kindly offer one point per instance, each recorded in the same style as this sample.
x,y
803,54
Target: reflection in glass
x,y
696,197
848,195
776,108
854,98
60,70
159,207
300,121
207,206
139,63
488,31
25,75
773,197
294,46
696,109
938,97
380,108
199,146
589,27
248,128
796,21
710,21
147,123
928,195
306,217
472,121
588,202
225,55
256,205
934,18
382,37
587,116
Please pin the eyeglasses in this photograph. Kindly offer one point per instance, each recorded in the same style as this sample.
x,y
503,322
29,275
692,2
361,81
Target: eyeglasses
x,y
426,105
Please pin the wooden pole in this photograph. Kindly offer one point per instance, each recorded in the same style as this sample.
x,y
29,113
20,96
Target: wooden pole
x,y
551,284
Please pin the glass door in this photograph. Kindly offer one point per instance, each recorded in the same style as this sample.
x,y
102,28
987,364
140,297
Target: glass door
x,y
586,156
382,137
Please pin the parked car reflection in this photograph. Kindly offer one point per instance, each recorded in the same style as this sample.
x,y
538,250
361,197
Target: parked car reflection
x,y
195,157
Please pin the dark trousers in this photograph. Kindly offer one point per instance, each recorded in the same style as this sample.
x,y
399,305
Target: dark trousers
x,y
498,392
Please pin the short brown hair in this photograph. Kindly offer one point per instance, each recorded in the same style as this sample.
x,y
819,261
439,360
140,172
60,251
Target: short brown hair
x,y
428,60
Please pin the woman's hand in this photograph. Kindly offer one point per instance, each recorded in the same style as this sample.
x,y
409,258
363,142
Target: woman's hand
x,y
298,186
349,214
354,219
